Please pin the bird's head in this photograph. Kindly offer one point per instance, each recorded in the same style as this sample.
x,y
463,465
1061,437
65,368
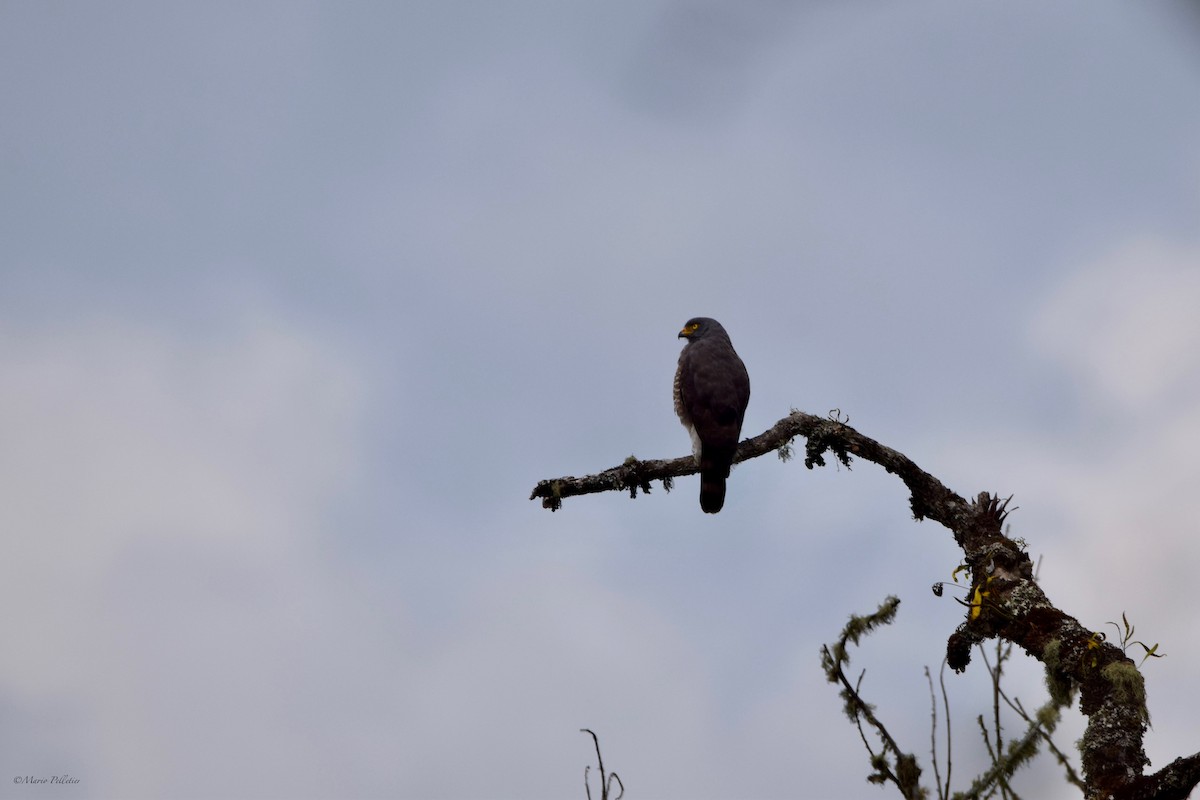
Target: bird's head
x,y
699,327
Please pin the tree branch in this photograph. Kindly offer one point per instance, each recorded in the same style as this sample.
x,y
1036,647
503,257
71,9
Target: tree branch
x,y
1007,601
906,774
606,778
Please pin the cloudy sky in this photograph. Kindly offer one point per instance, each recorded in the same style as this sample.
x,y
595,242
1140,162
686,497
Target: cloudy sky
x,y
299,300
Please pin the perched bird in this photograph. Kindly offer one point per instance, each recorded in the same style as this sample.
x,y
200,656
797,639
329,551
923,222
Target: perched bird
x,y
712,389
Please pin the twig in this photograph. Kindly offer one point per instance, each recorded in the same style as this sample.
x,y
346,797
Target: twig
x,y
943,789
605,779
949,738
933,746
907,773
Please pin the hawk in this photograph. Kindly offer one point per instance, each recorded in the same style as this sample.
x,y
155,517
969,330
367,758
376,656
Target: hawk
x,y
712,389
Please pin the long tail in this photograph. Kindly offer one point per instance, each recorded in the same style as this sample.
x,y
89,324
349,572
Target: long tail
x,y
712,491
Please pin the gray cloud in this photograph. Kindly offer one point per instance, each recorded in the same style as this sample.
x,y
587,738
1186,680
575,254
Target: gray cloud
x,y
300,301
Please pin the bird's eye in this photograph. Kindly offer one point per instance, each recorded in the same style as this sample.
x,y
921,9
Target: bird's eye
x,y
693,326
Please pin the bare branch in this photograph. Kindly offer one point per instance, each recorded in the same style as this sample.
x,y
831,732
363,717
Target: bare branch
x,y
1007,602
949,738
933,746
606,779
1044,721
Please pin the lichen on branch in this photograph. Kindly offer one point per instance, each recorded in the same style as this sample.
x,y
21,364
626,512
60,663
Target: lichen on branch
x,y
1009,604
